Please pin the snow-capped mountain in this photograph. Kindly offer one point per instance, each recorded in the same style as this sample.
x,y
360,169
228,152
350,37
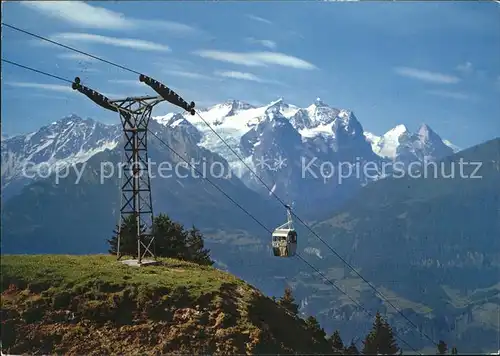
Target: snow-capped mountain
x,y
455,148
399,144
291,148
71,140
319,125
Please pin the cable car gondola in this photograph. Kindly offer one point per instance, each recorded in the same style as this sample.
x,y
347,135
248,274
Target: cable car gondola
x,y
284,241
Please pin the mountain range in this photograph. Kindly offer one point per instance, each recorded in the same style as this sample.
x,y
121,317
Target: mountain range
x,y
292,149
427,243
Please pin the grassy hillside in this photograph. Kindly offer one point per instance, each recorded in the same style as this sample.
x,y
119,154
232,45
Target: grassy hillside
x,y
95,305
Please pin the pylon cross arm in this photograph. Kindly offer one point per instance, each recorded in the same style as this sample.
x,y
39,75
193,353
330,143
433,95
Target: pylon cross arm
x,y
93,95
168,94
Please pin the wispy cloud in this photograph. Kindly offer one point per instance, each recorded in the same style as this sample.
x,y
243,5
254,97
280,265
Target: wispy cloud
x,y
48,96
450,94
76,57
266,43
185,74
470,71
259,19
465,68
240,75
112,41
170,26
256,59
50,87
84,15
426,76
135,83
54,87
80,14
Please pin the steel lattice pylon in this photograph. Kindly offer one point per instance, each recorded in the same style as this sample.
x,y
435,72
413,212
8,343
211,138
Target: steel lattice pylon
x,y
135,113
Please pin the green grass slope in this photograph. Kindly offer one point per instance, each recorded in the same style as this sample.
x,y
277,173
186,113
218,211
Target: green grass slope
x,y
95,305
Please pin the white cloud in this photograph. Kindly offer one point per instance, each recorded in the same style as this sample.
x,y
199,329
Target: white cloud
x,y
112,41
77,57
240,75
55,87
80,14
266,43
48,96
259,19
255,59
424,75
449,94
84,15
191,75
50,87
135,83
465,68
172,27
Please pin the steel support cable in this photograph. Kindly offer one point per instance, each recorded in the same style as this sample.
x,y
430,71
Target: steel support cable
x,y
232,150
68,47
270,232
37,71
246,165
352,300
317,236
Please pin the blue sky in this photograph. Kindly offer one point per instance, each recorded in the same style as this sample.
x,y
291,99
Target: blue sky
x,y
391,63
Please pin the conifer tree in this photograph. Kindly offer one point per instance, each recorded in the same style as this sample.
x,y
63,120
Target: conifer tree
x,y
313,324
196,251
381,339
287,301
170,240
352,349
170,237
442,348
336,341
128,237
388,344
370,346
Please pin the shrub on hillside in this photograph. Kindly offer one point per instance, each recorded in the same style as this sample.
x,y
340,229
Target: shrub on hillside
x,y
170,240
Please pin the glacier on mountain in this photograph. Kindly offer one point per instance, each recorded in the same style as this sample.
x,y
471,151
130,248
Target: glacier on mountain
x,y
399,144
278,131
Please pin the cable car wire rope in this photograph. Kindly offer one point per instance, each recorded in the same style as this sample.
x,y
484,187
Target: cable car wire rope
x,y
382,296
231,199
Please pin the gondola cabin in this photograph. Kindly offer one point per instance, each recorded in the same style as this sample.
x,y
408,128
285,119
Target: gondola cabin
x,y
284,242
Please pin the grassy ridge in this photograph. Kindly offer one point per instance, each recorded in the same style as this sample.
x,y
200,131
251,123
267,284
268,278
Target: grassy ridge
x,y
94,305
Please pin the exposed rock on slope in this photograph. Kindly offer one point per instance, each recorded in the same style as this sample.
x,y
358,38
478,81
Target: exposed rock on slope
x,y
94,305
